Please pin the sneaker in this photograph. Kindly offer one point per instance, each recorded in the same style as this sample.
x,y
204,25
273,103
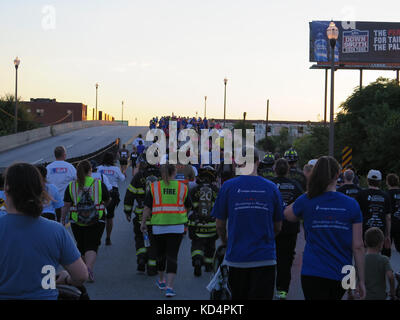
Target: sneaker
x,y
281,295
108,242
91,276
161,285
170,292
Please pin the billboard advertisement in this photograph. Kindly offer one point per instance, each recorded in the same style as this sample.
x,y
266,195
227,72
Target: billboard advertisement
x,y
359,43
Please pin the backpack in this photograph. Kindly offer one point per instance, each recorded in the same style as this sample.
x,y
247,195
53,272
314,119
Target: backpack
x,y
88,211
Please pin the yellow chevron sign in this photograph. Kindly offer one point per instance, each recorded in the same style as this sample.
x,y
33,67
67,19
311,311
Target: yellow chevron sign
x,y
347,156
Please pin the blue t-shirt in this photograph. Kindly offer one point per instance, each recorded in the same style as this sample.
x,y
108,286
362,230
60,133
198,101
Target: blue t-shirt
x,y
140,148
328,225
251,204
27,245
56,201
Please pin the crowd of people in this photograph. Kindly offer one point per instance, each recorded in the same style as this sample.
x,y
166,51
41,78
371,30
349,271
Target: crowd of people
x,y
257,218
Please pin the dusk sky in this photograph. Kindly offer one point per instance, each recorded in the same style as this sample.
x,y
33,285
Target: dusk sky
x,y
165,56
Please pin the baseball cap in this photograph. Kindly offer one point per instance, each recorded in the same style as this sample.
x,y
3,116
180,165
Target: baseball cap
x,y
312,162
374,175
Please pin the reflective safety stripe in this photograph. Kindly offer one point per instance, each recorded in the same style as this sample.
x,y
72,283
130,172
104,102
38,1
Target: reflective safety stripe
x,y
169,209
156,193
208,260
152,263
208,235
182,193
127,208
197,253
140,251
131,189
138,210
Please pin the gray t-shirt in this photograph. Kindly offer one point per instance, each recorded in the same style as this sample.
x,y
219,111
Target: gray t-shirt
x,y
376,266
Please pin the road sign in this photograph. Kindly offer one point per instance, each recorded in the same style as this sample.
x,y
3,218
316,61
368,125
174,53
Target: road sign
x,y
347,156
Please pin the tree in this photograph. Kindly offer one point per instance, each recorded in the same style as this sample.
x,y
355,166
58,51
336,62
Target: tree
x,y
7,109
277,144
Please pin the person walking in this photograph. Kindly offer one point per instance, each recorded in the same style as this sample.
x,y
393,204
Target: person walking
x,y
115,176
167,203
392,182
375,207
60,173
123,159
55,202
286,240
84,201
349,188
29,242
248,212
333,228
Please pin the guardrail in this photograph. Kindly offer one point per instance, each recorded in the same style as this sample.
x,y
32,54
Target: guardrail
x,y
19,139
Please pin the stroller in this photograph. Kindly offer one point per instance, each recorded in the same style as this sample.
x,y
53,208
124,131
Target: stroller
x,y
219,287
72,293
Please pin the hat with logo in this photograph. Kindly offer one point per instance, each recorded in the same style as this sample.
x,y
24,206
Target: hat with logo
x,y
374,175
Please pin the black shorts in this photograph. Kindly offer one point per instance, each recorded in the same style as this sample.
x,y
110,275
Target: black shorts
x,y
115,200
88,238
123,162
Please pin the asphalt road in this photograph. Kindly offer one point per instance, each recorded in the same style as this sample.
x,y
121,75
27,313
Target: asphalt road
x,y
77,143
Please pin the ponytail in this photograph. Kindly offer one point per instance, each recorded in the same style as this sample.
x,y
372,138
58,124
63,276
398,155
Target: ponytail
x,y
323,174
167,170
82,172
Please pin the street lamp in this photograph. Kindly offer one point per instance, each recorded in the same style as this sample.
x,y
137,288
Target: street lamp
x,y
225,82
97,87
333,34
16,64
205,107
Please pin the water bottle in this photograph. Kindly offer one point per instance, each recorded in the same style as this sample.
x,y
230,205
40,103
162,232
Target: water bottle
x,y
321,48
146,239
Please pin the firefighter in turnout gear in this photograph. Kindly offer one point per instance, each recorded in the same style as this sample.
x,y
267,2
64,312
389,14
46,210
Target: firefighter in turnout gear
x,y
202,227
136,191
295,173
265,168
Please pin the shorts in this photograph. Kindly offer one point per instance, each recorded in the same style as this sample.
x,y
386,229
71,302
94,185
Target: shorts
x,y
88,238
123,162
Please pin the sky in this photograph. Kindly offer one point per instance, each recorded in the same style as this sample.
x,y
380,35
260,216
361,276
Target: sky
x,y
164,56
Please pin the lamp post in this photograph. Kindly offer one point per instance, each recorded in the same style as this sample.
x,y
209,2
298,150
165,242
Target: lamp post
x,y
332,33
205,106
122,112
16,64
225,82
97,87
266,122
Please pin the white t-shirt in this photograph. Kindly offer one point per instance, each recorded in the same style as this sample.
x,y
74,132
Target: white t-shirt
x,y
103,178
136,142
60,173
113,174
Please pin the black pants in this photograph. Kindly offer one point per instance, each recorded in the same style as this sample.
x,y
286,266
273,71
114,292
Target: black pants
x,y
285,252
115,199
203,250
316,288
396,240
144,255
88,238
167,248
252,283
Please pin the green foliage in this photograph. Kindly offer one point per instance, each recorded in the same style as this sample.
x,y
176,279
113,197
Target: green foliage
x,y
369,123
276,144
25,119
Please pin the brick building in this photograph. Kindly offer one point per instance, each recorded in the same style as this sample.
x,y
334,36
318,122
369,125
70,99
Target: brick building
x,y
49,111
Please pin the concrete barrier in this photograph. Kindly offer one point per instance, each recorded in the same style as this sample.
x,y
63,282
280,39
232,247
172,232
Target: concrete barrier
x,y
17,140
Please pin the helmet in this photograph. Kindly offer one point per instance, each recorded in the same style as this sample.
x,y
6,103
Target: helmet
x,y
207,174
291,155
269,159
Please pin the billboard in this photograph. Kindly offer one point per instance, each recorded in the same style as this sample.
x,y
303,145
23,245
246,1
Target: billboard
x,y
370,44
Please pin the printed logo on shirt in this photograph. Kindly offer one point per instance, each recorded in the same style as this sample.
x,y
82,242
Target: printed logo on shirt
x,y
59,170
250,191
376,198
329,209
108,172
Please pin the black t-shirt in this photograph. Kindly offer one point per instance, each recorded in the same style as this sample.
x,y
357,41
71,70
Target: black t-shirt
x,y
123,154
290,190
394,197
148,200
298,175
105,195
350,190
374,205
134,157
